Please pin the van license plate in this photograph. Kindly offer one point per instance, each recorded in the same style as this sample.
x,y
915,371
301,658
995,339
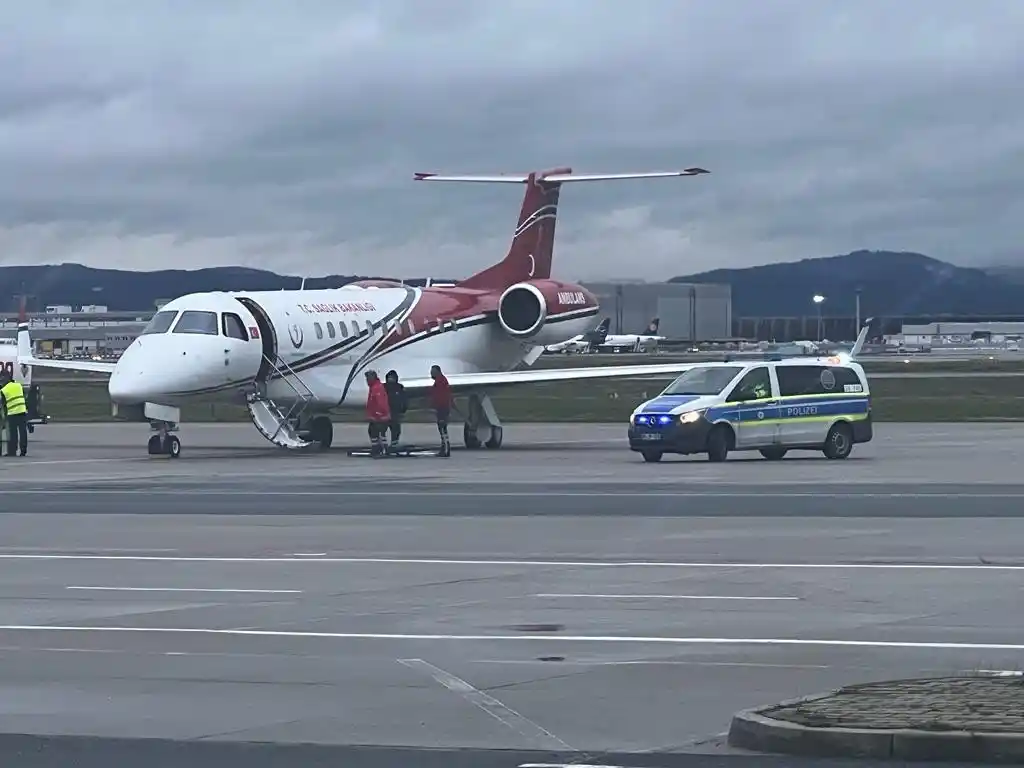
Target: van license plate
x,y
650,436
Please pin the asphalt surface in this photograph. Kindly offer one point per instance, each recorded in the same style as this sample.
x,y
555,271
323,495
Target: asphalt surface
x,y
556,601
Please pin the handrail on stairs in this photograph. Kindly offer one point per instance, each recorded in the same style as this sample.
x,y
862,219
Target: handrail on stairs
x,y
284,370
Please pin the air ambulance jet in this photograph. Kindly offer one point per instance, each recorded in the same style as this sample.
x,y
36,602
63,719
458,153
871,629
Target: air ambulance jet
x,y
631,342
584,342
293,357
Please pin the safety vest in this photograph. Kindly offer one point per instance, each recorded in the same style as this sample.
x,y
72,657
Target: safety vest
x,y
14,397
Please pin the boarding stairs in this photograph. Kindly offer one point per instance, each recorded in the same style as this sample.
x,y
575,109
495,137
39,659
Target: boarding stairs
x,y
276,425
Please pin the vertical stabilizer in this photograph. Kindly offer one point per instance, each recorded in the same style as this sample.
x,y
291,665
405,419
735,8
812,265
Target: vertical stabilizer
x,y
532,250
24,340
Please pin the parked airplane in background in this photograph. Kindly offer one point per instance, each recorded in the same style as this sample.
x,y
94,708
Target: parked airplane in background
x,y
631,342
584,342
294,356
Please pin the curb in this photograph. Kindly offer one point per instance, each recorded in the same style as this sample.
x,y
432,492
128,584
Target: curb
x,y
751,729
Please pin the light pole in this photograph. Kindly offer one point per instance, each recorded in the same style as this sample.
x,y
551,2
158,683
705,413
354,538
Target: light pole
x,y
817,299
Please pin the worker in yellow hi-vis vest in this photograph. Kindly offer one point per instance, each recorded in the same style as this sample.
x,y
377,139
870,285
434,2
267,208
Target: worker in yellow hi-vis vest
x,y
16,410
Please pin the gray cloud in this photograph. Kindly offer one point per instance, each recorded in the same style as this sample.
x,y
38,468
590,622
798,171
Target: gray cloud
x,y
248,132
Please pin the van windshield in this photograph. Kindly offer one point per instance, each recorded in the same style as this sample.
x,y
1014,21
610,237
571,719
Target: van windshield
x,y
703,380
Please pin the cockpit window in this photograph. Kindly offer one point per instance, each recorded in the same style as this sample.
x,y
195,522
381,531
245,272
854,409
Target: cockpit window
x,y
197,322
160,322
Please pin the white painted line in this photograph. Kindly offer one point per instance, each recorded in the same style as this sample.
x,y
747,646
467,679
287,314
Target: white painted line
x,y
491,706
310,554
522,563
652,663
683,492
185,589
669,597
545,638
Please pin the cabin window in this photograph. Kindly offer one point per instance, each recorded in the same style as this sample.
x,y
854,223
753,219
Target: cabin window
x,y
160,322
204,323
412,326
233,327
343,328
330,329
319,330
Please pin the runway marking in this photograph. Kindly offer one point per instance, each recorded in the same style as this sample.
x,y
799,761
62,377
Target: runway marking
x,y
608,639
654,663
670,597
547,494
491,706
190,589
520,563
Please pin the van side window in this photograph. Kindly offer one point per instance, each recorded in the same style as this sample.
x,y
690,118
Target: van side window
x,y
795,380
755,385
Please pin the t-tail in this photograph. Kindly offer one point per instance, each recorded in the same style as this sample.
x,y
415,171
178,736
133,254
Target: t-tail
x,y
858,345
24,340
532,249
597,336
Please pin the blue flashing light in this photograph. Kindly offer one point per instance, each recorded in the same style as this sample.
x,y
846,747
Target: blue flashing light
x,y
653,419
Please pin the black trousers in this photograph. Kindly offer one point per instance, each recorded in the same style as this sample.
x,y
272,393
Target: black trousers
x,y
441,414
17,432
395,425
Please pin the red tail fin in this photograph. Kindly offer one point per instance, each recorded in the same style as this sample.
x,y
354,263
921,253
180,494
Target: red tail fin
x,y
530,255
533,242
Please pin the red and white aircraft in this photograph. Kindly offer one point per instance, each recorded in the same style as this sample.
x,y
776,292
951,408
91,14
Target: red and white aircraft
x,y
294,356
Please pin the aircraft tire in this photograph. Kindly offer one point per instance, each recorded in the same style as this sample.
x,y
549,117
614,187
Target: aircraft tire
x,y
469,437
496,438
321,432
173,448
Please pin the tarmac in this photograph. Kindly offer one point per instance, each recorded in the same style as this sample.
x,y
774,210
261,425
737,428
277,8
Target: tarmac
x,y
555,601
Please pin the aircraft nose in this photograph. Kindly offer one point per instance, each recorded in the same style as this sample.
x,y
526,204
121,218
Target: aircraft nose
x,y
130,382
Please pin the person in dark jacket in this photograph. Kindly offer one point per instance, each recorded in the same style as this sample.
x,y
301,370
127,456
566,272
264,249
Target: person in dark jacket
x,y
378,413
398,404
441,401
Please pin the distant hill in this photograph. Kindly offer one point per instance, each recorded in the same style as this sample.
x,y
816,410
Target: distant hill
x,y
891,284
76,285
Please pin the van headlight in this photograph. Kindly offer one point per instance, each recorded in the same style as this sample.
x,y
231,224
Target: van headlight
x,y
690,416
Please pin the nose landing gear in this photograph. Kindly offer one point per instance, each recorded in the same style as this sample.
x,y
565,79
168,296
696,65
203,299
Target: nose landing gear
x,y
164,443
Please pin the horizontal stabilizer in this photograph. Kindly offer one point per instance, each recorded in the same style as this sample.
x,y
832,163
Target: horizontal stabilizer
x,y
559,176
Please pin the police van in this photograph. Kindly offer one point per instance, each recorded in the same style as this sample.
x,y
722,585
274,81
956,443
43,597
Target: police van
x,y
802,403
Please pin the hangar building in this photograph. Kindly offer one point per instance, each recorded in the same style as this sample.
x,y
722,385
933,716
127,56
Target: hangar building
x,y
692,311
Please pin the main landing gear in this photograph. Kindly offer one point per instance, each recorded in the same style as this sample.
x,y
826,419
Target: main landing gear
x,y
164,443
482,427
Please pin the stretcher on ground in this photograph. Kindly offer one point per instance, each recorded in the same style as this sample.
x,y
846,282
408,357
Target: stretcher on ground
x,y
397,451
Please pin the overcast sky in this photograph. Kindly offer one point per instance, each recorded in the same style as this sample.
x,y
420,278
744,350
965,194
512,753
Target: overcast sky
x,y
190,133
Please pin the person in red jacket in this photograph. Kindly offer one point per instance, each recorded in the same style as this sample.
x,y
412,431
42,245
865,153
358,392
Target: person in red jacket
x,y
378,412
441,401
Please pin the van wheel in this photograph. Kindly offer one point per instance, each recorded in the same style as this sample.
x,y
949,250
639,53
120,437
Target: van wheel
x,y
773,454
719,443
839,442
651,456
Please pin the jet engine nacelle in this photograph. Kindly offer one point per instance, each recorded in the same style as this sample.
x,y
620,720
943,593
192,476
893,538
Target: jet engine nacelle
x,y
545,311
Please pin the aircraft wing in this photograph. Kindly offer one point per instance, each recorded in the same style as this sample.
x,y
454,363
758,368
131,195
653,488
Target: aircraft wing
x,y
93,366
461,381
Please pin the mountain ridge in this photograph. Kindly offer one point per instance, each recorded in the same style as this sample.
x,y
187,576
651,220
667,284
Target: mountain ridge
x,y
891,283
